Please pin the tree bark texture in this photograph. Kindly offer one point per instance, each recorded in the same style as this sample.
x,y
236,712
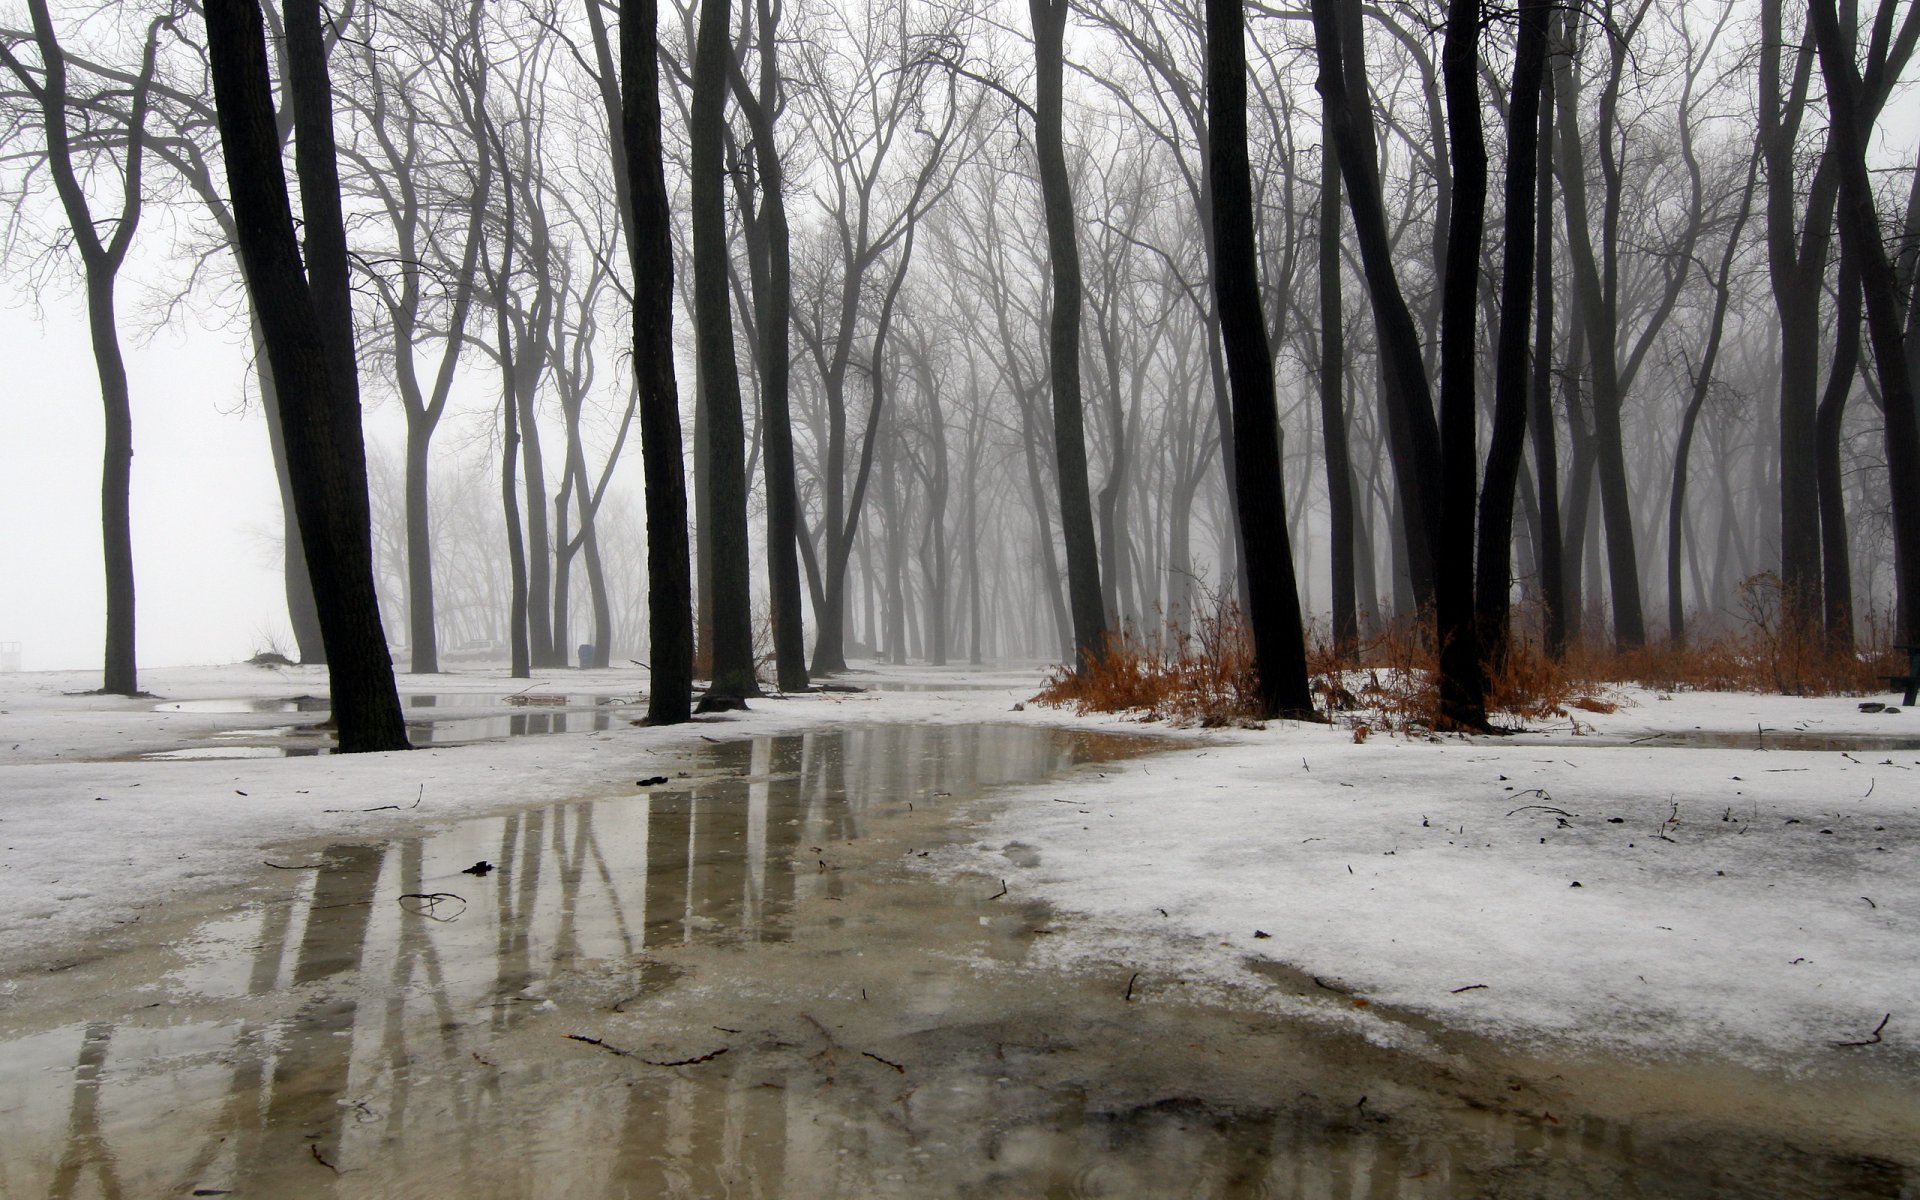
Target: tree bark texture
x,y
1493,581
669,573
1063,335
1260,502
321,414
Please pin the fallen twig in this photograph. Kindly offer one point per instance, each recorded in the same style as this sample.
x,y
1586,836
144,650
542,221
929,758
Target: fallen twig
x,y
1873,1039
610,1048
1543,808
429,901
886,1062
1472,987
295,867
1130,982
321,1158
1001,892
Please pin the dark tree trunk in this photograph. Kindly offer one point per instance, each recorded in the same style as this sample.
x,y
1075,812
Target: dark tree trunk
x,y
1597,311
1413,435
1702,381
519,652
101,262
1063,335
1463,679
1273,613
1860,241
713,329
1540,423
1333,409
1493,582
119,675
730,581
669,578
301,613
1835,560
774,324
307,346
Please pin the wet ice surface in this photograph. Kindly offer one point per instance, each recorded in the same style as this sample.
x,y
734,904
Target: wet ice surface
x,y
433,719
779,1003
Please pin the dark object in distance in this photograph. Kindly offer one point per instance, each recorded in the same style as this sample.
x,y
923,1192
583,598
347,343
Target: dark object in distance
x,y
720,702
650,781
480,868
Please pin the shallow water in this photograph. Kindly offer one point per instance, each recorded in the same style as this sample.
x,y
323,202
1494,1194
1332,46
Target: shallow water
x,y
444,719
739,983
1779,739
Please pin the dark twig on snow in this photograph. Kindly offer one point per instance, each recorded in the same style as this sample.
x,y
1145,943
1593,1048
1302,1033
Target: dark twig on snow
x,y
1543,808
610,1048
428,902
1001,892
295,867
1472,987
1135,978
1873,1039
321,1158
885,1062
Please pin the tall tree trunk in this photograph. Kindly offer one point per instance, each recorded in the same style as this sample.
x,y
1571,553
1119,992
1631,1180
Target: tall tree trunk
x,y
1540,423
101,261
1702,381
730,582
1273,614
774,321
1493,581
301,613
1597,311
1860,241
301,318
669,576
1407,395
1063,335
1463,679
1333,410
1835,560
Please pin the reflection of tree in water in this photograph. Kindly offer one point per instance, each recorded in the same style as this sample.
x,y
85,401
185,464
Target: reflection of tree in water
x,y
87,1146
443,1082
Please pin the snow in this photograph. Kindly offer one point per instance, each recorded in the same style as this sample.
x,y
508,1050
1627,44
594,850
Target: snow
x,y
1756,904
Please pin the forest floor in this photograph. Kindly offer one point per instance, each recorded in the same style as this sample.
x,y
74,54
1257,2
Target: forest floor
x,y
1724,883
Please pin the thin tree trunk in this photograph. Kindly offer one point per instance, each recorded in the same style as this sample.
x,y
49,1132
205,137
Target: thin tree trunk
x,y
1493,582
774,320
1333,412
1063,339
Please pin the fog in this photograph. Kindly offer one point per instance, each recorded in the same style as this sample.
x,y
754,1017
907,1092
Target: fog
x,y
932,488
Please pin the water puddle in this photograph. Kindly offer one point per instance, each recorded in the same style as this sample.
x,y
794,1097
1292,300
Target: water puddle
x,y
1779,739
445,719
741,983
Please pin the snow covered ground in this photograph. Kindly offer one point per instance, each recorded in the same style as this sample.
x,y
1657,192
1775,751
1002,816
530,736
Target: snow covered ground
x,y
1559,886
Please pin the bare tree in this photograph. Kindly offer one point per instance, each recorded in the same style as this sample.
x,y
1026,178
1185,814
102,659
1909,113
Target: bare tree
x,y
669,578
1063,357
1273,615
307,323
112,128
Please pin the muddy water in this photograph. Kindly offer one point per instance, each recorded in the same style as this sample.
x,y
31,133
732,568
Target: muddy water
x,y
740,984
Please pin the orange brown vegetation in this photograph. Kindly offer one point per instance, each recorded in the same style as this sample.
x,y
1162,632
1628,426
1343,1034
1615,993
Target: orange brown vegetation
x,y
1385,683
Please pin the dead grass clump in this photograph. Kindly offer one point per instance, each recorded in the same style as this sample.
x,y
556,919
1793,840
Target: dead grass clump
x,y
1386,683
1201,678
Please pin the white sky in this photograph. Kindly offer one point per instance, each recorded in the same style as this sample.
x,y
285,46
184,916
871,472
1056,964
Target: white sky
x,y
206,508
